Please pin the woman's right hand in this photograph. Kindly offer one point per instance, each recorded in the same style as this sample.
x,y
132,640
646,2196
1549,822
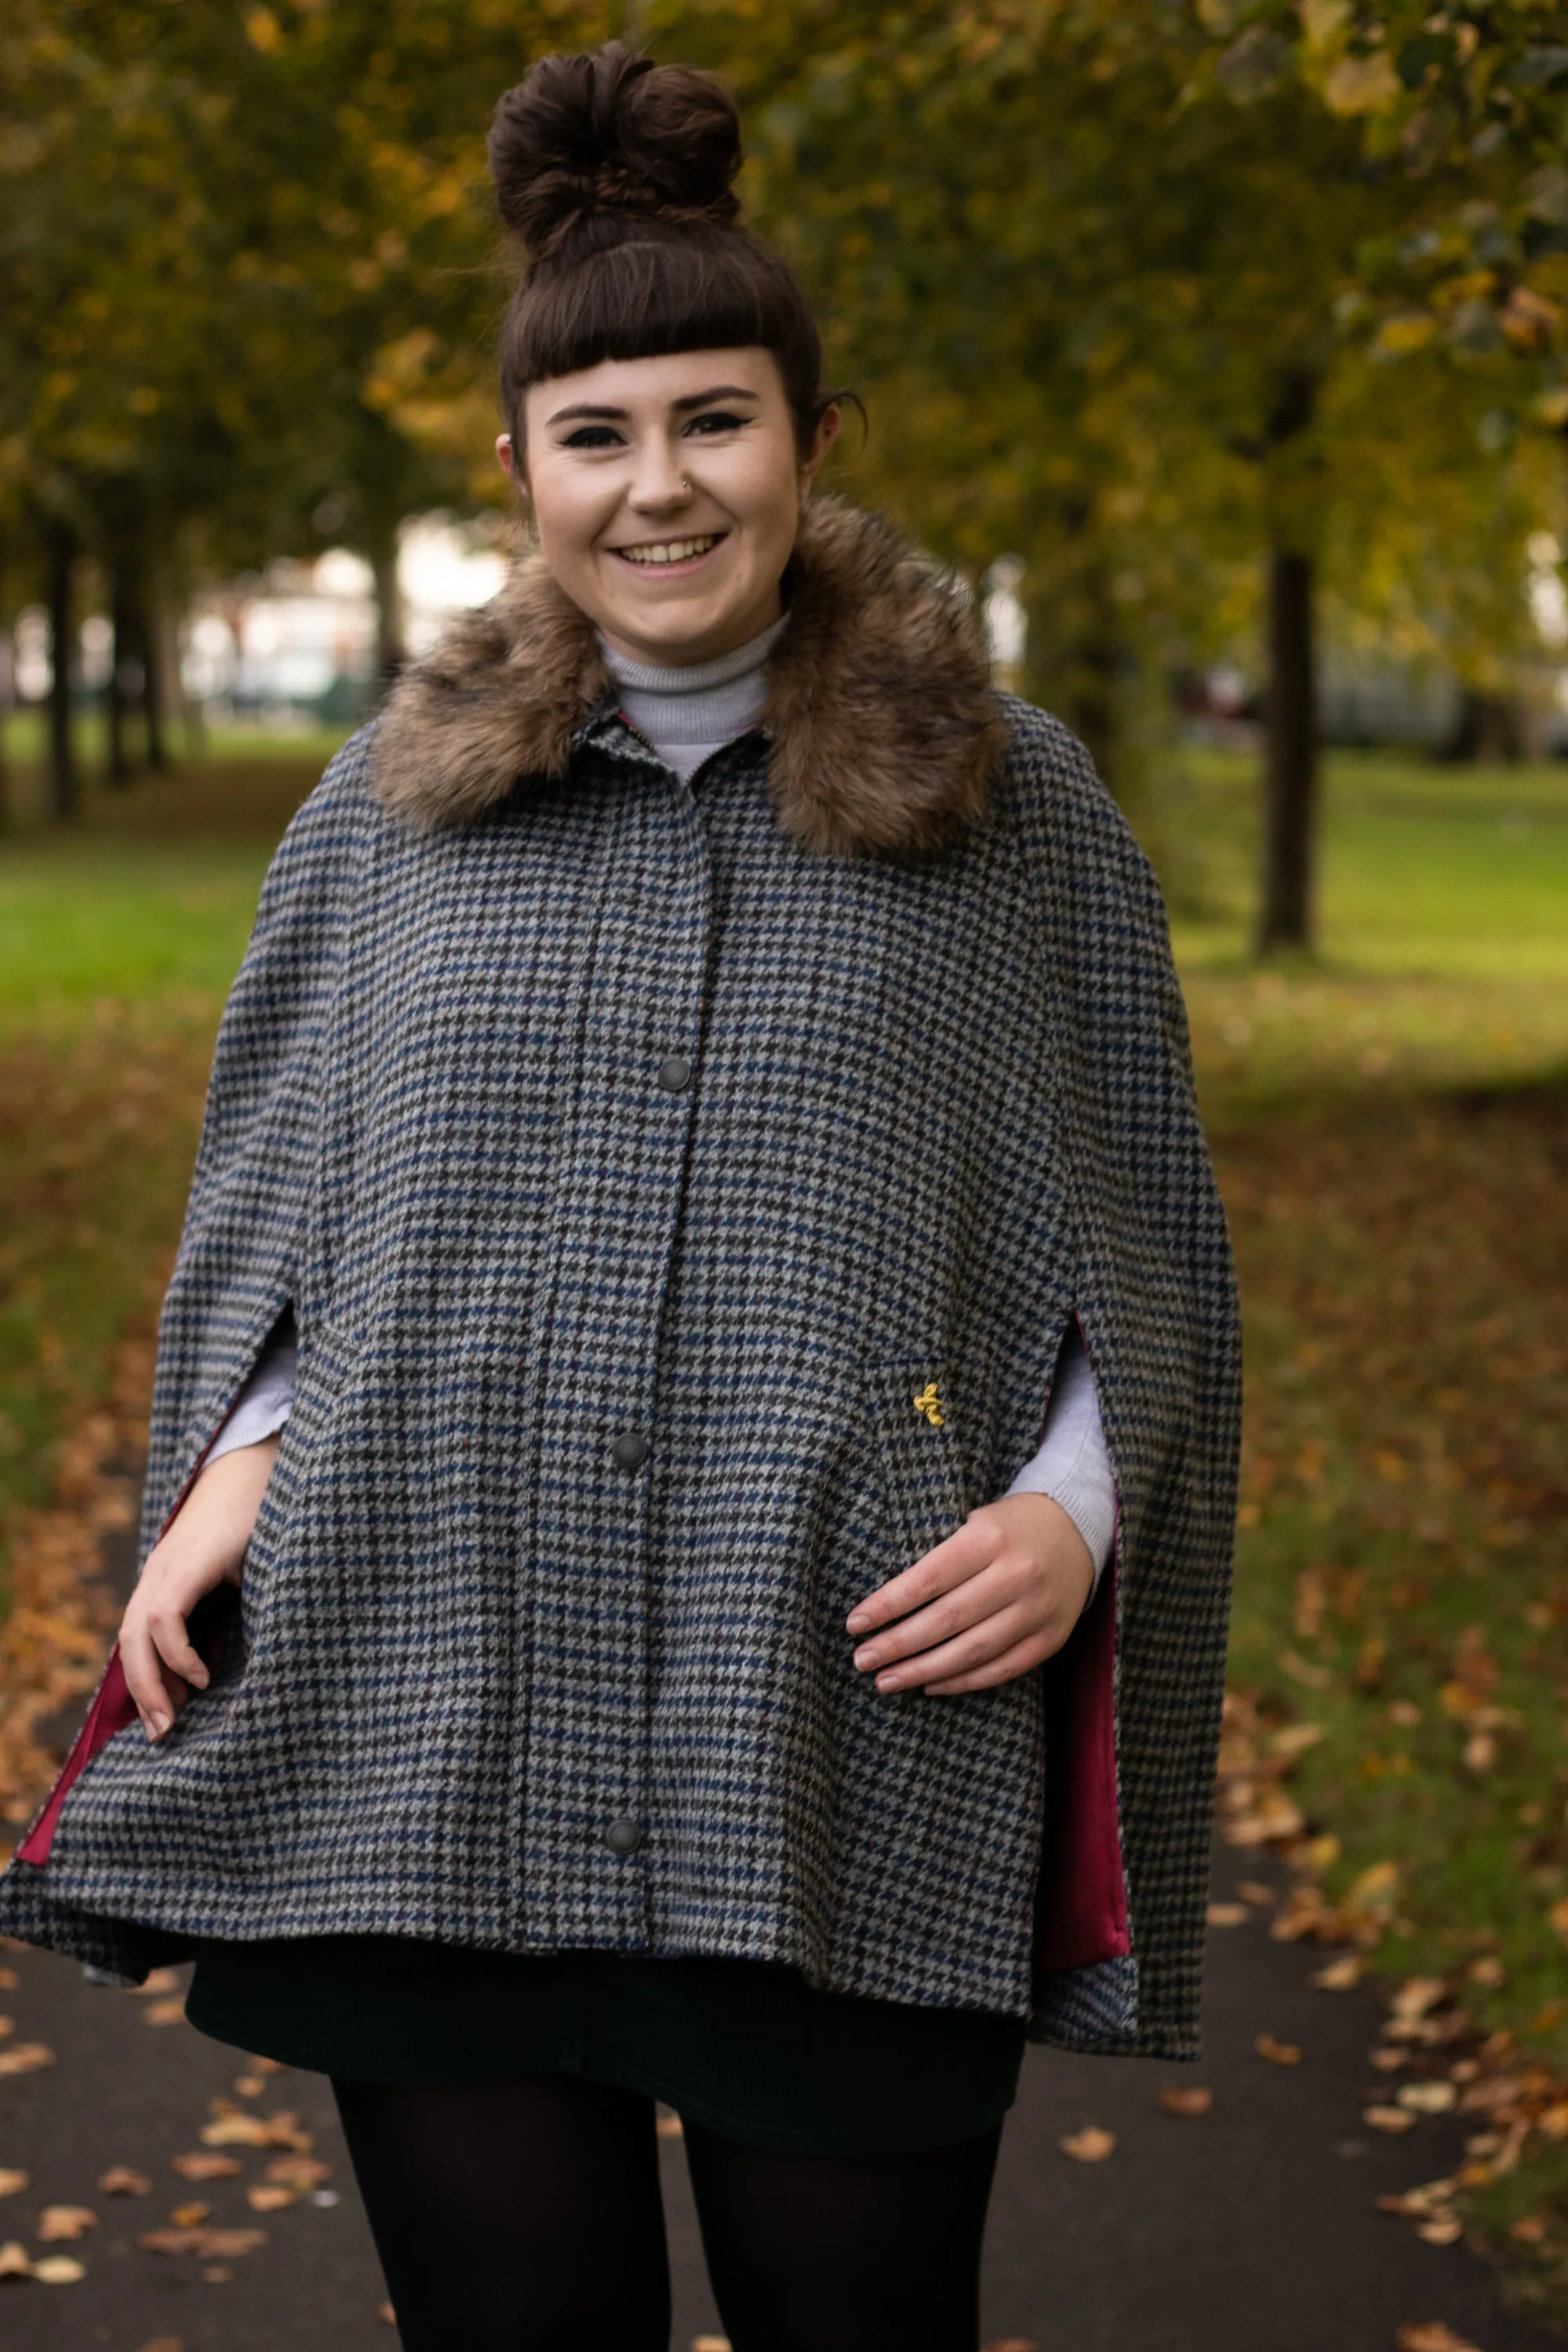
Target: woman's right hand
x,y
204,1547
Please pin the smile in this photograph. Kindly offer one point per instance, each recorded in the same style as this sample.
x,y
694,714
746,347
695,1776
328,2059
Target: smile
x,y
661,552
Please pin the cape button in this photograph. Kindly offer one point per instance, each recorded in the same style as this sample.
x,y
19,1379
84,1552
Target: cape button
x,y
675,1074
624,1835
630,1449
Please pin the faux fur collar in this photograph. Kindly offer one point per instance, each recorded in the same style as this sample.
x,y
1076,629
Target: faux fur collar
x,y
884,731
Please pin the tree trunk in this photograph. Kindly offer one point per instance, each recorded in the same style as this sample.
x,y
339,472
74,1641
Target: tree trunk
x,y
1290,795
118,767
391,646
152,685
60,547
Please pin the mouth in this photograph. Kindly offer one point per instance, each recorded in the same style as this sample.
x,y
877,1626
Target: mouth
x,y
666,555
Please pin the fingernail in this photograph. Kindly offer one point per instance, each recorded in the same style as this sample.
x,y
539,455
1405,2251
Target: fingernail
x,y
890,1682
158,1724
865,1658
854,1620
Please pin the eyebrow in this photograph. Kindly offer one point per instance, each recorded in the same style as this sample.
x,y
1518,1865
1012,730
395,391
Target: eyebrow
x,y
682,407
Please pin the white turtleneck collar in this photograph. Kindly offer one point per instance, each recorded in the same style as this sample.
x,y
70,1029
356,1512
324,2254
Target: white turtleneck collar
x,y
688,714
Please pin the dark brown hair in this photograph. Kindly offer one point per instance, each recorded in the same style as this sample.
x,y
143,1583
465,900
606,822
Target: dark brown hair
x,y
615,173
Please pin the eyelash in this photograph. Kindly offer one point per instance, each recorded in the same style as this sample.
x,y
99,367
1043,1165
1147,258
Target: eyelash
x,y
604,436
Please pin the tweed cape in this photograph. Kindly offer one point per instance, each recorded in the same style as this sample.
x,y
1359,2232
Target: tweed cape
x,y
938,1104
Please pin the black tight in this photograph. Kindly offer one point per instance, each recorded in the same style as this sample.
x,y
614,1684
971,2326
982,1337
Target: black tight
x,y
526,2217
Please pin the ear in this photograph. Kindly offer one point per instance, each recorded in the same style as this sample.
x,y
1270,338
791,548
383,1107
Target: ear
x,y
504,455
823,439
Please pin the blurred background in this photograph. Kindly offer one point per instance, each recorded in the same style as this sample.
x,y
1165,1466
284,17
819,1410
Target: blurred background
x,y
1224,348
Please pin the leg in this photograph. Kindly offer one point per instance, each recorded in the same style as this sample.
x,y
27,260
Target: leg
x,y
844,2253
514,2217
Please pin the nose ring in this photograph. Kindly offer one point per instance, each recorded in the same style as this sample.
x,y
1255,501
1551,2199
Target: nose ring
x,y
686,486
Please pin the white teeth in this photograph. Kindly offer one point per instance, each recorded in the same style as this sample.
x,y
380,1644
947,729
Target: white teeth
x,y
670,551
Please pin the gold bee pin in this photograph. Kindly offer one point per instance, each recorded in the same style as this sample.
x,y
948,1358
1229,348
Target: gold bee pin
x,y
929,1403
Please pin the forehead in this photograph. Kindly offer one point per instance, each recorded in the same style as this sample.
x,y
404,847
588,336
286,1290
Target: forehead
x,y
650,386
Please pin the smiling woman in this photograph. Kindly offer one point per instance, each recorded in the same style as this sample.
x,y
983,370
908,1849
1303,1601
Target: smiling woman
x,y
692,1476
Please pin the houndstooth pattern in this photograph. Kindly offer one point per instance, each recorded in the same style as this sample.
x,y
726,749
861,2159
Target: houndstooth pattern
x,y
939,1104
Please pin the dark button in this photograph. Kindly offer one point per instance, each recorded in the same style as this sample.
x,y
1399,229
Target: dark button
x,y
630,1449
674,1073
623,1836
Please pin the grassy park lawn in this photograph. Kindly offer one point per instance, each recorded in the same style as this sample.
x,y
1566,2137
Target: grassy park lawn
x,y
1391,1121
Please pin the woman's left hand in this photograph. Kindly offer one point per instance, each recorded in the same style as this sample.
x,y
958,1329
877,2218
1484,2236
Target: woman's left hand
x,y
999,1594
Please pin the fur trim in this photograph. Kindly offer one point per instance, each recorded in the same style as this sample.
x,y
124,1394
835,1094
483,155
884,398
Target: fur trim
x,y
884,728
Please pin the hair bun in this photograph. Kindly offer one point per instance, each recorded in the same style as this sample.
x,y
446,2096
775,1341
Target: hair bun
x,y
609,131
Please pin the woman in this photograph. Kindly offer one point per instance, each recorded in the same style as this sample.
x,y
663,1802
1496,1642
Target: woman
x,y
707,1082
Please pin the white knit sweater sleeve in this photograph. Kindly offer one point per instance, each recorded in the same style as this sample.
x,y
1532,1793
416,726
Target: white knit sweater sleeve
x,y
267,1400
1072,1465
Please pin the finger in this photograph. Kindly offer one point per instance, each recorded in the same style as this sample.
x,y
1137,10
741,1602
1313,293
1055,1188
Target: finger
x,y
1018,1660
976,1647
978,1597
957,1557
166,1625
144,1672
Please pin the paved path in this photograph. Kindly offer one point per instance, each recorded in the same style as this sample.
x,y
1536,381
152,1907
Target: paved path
x,y
1252,2229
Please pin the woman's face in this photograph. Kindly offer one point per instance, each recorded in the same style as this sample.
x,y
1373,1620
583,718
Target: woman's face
x,y
667,495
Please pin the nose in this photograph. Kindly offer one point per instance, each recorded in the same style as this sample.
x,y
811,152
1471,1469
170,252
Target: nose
x,y
660,485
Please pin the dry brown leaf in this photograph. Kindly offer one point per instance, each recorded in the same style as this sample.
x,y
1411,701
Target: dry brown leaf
x,y
58,2269
240,2130
11,2183
1341,1975
1186,2099
1229,1914
26,2058
191,2216
385,2314
8,2026
164,2012
1431,2335
1417,1995
1279,2053
298,2172
1252,1890
64,2221
269,2196
205,2164
15,2263
1388,2119
1442,2230
251,2087
9,1979
120,2181
163,2343
1488,1972
209,2243
1529,2230
1090,2146
217,2274
1427,2098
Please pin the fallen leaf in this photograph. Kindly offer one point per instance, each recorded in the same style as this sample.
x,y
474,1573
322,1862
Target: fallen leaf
x,y
239,2130
300,2172
1431,2335
1090,2146
1388,2119
251,2087
1427,2098
1229,1914
164,2012
9,1981
204,2164
1488,1972
1420,2204
157,1982
1279,2053
1252,1890
1417,1995
26,2059
269,2196
217,2274
8,2025
385,2313
12,2183
1186,2099
1529,2230
58,2269
191,2216
1341,1975
120,2181
15,2260
1442,2230
58,2222
1295,1738
204,2241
